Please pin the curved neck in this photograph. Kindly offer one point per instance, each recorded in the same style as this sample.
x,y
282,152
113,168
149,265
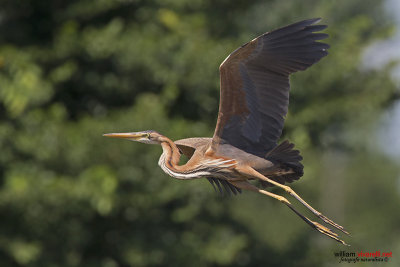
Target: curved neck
x,y
169,161
171,154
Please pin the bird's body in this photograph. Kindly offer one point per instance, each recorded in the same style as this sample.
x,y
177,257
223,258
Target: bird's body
x,y
253,104
279,164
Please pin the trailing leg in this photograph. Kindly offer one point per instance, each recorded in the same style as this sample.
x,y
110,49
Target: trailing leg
x,y
250,171
320,228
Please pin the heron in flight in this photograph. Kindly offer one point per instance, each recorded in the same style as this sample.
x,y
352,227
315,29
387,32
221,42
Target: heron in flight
x,y
254,99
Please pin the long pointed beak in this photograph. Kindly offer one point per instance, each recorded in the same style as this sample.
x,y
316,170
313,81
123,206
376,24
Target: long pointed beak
x,y
133,136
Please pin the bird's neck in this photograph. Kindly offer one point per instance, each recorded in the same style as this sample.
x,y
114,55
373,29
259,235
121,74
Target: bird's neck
x,y
169,161
170,155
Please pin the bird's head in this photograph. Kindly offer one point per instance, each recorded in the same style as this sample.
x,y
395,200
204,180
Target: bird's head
x,y
146,137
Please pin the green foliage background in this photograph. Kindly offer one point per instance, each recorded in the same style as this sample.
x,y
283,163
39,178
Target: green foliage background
x,y
73,70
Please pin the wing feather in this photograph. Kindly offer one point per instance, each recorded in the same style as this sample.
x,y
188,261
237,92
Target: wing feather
x,y
254,94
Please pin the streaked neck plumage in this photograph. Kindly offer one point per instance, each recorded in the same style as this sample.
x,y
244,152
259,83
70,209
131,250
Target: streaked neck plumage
x,y
169,161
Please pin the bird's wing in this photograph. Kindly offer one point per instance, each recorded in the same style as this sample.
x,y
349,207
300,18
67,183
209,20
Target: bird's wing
x,y
254,95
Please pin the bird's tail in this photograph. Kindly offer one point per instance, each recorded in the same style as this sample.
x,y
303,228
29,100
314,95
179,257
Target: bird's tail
x,y
287,162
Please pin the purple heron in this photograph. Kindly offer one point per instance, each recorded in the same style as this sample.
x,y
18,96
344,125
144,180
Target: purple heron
x,y
254,99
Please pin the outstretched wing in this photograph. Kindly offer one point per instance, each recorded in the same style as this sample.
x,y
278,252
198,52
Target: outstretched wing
x,y
254,95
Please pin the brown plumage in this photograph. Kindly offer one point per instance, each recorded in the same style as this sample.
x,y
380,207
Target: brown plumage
x,y
253,104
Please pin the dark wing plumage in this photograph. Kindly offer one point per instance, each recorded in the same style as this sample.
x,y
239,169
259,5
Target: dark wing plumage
x,y
254,95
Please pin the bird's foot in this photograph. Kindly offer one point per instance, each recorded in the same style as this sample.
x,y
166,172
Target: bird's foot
x,y
332,223
317,213
328,232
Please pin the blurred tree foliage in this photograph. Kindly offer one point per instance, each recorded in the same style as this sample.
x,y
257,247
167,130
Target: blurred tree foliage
x,y
72,70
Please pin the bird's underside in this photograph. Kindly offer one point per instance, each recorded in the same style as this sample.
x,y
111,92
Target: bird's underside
x,y
254,99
